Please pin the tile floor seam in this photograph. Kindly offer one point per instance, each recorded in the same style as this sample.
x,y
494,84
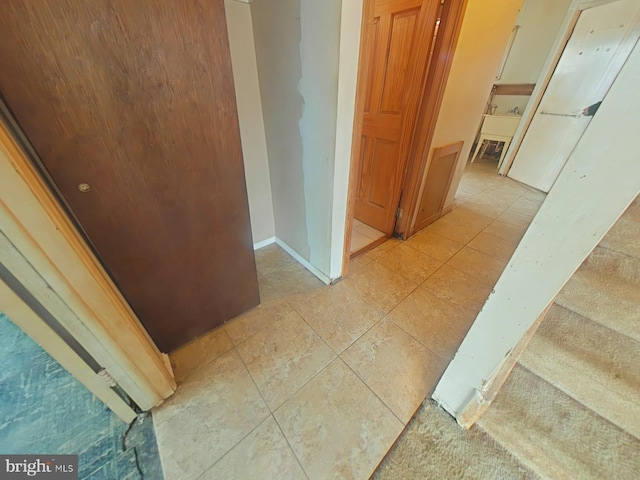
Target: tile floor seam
x,y
403,298
373,391
305,384
507,223
483,282
377,260
272,411
468,274
446,360
382,313
234,446
407,241
222,327
425,280
363,334
253,380
436,294
293,394
314,330
282,404
245,436
261,329
302,386
286,439
484,253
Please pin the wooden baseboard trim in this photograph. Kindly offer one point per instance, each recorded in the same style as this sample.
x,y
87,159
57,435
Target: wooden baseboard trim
x,y
369,247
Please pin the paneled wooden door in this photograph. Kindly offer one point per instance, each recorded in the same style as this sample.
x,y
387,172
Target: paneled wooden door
x,y
397,44
131,107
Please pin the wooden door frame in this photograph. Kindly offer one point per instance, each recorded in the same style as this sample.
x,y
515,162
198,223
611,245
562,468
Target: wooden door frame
x,y
49,259
420,153
566,30
429,106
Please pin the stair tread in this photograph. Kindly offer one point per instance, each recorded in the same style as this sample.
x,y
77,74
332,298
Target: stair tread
x,y
555,435
595,365
589,300
612,272
624,236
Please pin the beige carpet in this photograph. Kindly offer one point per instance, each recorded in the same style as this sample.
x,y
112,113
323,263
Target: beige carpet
x,y
434,446
557,436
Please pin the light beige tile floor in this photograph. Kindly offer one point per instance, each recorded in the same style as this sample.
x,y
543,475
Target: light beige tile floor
x,y
362,235
318,382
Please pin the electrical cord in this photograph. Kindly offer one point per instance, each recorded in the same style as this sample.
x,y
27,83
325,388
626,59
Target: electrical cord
x,y
139,418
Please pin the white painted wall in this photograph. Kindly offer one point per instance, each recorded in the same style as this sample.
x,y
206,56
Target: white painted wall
x,y
297,51
254,145
539,22
601,178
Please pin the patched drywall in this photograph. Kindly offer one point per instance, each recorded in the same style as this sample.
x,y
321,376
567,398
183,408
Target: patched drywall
x,y
297,51
254,144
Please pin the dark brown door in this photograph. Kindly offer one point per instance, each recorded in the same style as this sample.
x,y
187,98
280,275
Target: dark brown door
x,y
135,99
396,42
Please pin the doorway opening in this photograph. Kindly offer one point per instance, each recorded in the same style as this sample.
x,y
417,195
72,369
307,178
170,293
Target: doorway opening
x,y
405,56
518,87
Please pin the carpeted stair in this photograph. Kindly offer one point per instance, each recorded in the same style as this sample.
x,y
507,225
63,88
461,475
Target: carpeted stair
x,y
571,407
433,446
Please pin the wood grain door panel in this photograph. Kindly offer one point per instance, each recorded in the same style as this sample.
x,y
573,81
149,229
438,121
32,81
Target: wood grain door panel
x,y
393,71
136,99
437,183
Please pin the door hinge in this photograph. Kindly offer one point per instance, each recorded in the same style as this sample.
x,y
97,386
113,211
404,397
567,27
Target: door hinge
x,y
106,379
399,212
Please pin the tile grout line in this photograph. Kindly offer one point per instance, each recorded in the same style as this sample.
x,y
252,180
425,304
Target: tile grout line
x,y
286,439
446,360
261,329
337,355
372,391
199,367
233,447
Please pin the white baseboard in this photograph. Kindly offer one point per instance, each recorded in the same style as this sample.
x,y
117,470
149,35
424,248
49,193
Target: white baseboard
x,y
264,243
305,263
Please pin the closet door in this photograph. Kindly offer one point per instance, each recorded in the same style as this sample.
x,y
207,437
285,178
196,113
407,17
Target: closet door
x,y
396,46
130,106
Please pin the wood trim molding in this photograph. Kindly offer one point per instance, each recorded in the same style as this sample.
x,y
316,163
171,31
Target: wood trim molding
x,y
354,166
26,319
513,88
435,84
98,316
483,399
